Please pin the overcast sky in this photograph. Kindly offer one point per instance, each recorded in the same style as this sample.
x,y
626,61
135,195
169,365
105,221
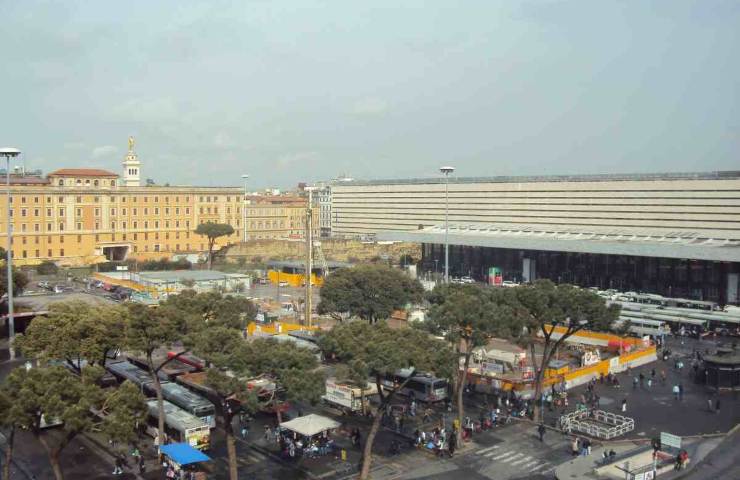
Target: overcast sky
x,y
292,91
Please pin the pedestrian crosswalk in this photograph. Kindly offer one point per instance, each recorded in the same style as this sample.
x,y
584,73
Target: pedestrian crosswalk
x,y
515,458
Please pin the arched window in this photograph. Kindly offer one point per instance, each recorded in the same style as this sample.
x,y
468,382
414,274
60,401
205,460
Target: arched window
x,y
112,183
61,182
79,182
96,183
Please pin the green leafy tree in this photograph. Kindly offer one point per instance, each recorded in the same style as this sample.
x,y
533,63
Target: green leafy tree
x,y
468,316
7,426
209,309
371,292
75,331
377,350
55,394
565,306
212,231
47,267
406,259
148,329
20,280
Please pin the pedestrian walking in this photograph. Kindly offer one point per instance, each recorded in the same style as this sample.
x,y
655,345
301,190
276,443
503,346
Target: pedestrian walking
x,y
680,391
574,447
675,391
624,405
650,382
118,469
541,431
244,432
662,377
710,404
268,432
142,465
634,383
716,405
452,444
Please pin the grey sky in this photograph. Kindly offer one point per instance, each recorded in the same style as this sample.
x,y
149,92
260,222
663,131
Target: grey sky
x,y
291,91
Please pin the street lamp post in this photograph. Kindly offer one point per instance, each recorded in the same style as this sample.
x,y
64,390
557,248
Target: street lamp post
x,y
447,171
9,153
244,205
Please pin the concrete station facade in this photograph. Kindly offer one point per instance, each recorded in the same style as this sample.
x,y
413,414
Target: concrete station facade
x,y
674,234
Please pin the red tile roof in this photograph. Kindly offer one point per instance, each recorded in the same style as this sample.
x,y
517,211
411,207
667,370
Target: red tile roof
x,y
29,180
82,172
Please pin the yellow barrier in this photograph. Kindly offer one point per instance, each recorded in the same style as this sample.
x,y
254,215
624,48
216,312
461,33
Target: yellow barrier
x,y
276,328
606,337
292,279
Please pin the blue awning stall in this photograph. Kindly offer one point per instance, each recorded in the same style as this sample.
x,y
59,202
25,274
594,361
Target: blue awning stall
x,y
183,454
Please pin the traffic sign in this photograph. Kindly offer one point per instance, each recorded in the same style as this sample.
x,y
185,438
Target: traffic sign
x,y
670,440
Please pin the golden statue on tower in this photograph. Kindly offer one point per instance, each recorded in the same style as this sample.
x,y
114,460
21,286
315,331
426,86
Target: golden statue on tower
x,y
130,144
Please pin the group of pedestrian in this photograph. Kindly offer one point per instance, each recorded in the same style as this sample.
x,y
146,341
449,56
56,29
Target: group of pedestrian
x,y
580,446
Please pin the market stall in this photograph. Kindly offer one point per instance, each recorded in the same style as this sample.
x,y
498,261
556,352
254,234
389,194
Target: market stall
x,y
184,461
309,436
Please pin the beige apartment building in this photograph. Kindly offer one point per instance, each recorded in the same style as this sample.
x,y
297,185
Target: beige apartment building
x,y
80,216
278,217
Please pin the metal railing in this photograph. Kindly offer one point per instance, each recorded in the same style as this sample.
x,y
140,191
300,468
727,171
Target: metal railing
x,y
597,423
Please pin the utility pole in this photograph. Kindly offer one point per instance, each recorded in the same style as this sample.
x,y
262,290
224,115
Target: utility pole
x,y
309,256
9,153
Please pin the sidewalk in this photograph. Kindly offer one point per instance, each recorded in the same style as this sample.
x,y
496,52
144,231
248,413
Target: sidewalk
x,y
584,467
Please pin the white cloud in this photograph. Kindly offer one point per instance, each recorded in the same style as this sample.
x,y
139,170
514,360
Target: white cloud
x,y
104,151
370,107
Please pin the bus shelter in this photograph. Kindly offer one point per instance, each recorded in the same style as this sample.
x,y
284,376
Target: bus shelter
x,y
181,457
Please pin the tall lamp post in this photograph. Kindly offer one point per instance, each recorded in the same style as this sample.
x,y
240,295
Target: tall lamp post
x,y
244,205
447,171
9,153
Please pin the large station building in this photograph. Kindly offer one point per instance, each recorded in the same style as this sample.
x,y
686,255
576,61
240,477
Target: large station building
x,y
672,234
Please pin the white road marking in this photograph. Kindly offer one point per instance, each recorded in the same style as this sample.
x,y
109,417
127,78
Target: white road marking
x,y
539,466
530,463
507,460
484,450
505,454
522,460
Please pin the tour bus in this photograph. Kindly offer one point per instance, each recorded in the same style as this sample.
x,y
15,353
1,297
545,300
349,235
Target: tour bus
x,y
191,402
422,387
180,426
172,369
643,326
125,370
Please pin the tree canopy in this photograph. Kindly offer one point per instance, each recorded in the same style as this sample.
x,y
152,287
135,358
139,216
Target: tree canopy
x,y
468,316
20,280
74,332
371,292
55,394
213,231
565,306
376,350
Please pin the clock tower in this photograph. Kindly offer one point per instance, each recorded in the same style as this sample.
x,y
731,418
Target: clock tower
x,y
131,167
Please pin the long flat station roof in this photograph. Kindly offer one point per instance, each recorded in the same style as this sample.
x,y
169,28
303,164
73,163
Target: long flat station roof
x,y
642,243
608,177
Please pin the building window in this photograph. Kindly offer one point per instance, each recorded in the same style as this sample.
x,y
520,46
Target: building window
x,y
97,199
36,212
135,212
156,210
79,212
25,254
96,183
113,225
36,227
156,224
79,238
156,235
177,211
146,224
36,241
187,223
123,199
61,199
61,252
123,211
48,227
187,199
146,199
166,224
87,182
201,210
166,211
23,199
79,226
156,248
37,254
156,199
49,251
187,234
97,237
23,212
48,212
35,199
177,223
136,224
61,227
61,184
146,211
123,225
23,240
61,239
136,236
97,226
97,212
124,236
187,211
79,199
167,235
146,236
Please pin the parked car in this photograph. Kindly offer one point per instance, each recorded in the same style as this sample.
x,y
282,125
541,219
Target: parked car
x,y
467,280
62,288
45,285
509,283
